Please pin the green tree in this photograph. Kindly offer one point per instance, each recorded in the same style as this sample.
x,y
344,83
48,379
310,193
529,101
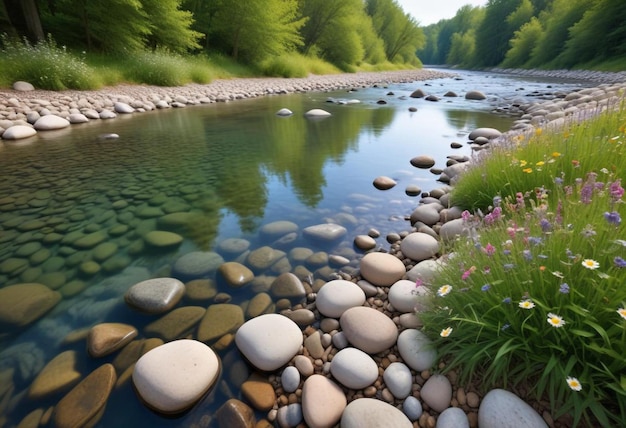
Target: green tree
x,y
462,48
522,44
557,21
255,29
373,46
170,26
492,37
599,35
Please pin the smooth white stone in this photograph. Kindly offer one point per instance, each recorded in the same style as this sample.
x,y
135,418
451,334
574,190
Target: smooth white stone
x,y
174,376
323,402
317,112
419,246
373,413
156,295
289,416
368,329
353,368
403,295
437,392
416,350
382,269
284,112
337,296
269,341
452,417
17,132
122,108
50,122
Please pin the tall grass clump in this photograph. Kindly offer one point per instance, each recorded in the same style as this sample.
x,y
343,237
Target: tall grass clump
x,y
163,68
295,65
528,160
45,65
534,295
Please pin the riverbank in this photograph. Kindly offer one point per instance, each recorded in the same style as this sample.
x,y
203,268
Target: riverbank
x,y
24,105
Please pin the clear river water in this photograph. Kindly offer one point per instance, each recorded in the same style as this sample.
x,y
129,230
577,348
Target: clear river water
x,y
234,167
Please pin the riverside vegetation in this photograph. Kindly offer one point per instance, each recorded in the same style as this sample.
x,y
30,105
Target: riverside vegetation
x,y
533,296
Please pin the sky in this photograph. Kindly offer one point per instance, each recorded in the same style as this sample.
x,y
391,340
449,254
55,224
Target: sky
x,y
428,12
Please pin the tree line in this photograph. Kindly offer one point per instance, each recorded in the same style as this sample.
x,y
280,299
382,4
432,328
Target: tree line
x,y
530,34
345,33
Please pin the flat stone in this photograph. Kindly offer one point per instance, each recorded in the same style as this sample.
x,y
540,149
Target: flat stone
x,y
196,265
233,246
427,214
453,417
106,338
85,403
384,183
51,122
174,376
354,369
399,380
277,229
12,265
175,324
313,344
304,365
236,274
259,392
288,286
284,112
423,161
122,108
23,86
156,295
76,118
219,320
90,240
419,246
264,257
382,269
371,413
59,375
199,290
364,242
18,132
326,233
235,414
22,304
104,251
302,317
323,402
269,341
488,133
437,392
163,240
260,304
503,409
175,222
316,112
416,350
337,296
368,329
129,355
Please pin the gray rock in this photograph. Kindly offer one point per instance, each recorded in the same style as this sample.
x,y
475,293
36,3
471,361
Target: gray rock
x,y
354,369
503,409
423,161
412,408
107,114
290,416
284,112
78,118
156,295
398,378
453,417
23,86
437,392
337,296
368,329
316,112
418,93
51,122
290,379
373,413
416,350
475,95
419,246
327,232
196,265
488,133
123,108
384,183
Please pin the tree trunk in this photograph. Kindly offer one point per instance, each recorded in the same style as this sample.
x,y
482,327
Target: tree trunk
x,y
24,17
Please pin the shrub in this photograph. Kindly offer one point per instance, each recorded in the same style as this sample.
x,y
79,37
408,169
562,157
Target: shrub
x,y
45,65
296,65
534,293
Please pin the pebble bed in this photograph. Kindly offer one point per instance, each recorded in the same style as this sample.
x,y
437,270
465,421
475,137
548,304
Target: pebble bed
x,y
346,347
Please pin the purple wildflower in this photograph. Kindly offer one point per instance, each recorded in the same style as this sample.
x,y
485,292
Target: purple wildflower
x,y
527,254
616,190
485,287
508,266
535,240
506,300
465,215
585,194
564,288
613,218
619,262
545,225
490,250
558,181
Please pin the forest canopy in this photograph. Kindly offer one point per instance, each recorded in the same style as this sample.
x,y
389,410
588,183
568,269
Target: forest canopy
x,y
346,33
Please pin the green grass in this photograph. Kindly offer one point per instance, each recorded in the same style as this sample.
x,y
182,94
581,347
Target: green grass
x,y
553,238
296,65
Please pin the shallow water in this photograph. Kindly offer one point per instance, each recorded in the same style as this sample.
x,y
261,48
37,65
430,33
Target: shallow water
x,y
236,167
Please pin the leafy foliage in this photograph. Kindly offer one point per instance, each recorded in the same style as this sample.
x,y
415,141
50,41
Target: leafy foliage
x,y
522,44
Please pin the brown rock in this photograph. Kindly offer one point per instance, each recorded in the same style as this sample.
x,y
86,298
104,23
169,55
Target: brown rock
x,y
235,414
200,289
260,304
287,285
259,392
58,375
384,183
106,338
21,304
175,324
31,420
85,403
219,320
473,400
133,351
236,274
313,344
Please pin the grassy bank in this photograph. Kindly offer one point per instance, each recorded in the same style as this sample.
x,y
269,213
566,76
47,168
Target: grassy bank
x,y
534,297
49,66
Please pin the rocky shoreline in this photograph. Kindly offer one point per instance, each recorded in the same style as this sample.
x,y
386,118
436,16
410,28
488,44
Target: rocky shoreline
x,y
356,354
